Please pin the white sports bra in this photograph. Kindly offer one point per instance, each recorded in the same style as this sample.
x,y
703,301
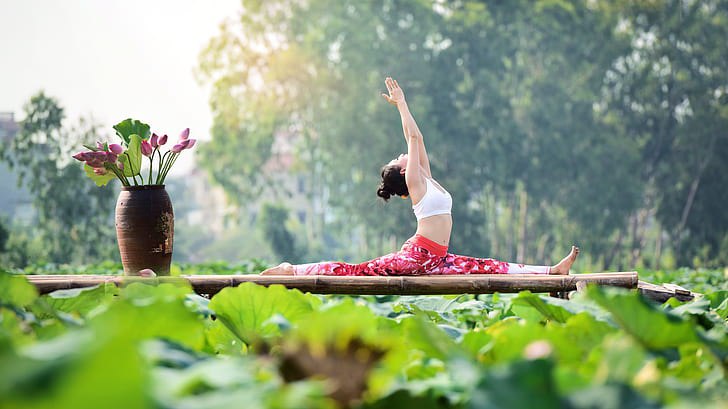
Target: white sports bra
x,y
433,202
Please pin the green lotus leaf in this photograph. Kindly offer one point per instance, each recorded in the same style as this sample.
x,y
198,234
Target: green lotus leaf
x,y
247,309
73,370
100,180
522,384
16,290
654,328
81,301
342,323
144,312
548,309
132,157
128,127
221,340
511,336
610,396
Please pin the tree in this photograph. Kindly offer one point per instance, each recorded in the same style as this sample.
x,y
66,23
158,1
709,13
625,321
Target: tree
x,y
74,217
303,77
669,91
273,221
546,120
4,234
526,78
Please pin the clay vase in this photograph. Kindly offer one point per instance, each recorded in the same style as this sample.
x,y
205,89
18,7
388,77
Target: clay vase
x,y
145,229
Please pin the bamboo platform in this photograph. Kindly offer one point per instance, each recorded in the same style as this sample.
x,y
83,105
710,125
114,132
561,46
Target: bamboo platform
x,y
360,285
663,292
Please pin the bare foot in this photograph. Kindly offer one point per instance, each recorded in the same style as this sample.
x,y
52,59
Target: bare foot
x,y
283,269
564,265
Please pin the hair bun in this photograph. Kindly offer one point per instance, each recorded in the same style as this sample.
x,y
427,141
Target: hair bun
x,y
384,194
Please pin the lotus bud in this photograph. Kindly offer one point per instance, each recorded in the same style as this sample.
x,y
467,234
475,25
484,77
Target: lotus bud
x,y
116,148
178,148
154,140
146,148
191,143
80,156
98,159
162,140
95,163
184,135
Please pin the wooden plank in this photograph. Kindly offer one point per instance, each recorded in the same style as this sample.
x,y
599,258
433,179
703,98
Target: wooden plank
x,y
664,292
383,285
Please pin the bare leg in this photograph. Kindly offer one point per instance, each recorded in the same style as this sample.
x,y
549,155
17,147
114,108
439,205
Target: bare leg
x,y
564,265
281,269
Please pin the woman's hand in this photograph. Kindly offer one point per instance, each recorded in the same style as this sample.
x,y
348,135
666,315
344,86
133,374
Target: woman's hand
x,y
396,95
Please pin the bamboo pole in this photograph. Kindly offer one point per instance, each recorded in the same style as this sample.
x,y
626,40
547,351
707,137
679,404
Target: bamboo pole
x,y
381,285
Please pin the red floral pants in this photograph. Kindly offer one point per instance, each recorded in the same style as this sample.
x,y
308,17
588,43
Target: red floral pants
x,y
419,256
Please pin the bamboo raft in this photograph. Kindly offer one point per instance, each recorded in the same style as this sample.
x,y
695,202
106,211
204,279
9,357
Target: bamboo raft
x,y
400,285
397,285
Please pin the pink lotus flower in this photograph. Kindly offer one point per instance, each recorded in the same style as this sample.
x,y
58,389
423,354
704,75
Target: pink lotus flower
x,y
116,148
107,159
80,156
147,148
111,157
97,159
183,144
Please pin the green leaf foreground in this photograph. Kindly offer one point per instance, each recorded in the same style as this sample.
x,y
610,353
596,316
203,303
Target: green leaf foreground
x,y
169,347
16,290
247,310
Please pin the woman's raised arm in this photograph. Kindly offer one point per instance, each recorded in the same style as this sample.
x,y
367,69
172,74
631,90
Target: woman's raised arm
x,y
409,126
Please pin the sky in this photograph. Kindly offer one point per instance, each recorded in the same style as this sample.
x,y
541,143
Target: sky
x,y
112,60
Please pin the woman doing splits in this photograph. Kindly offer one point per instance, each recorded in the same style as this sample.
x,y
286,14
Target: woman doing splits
x,y
426,252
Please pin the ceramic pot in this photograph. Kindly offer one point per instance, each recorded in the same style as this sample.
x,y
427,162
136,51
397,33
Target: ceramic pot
x,y
145,229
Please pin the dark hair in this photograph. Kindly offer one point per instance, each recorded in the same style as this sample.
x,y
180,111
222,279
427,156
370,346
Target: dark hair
x,y
393,183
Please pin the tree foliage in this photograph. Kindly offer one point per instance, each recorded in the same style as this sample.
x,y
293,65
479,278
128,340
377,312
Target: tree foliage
x,y
551,122
74,217
670,93
273,219
4,234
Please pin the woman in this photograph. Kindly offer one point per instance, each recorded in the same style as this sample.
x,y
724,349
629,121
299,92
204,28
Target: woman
x,y
426,252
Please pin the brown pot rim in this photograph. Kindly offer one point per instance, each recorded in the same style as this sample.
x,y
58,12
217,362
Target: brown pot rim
x,y
142,187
